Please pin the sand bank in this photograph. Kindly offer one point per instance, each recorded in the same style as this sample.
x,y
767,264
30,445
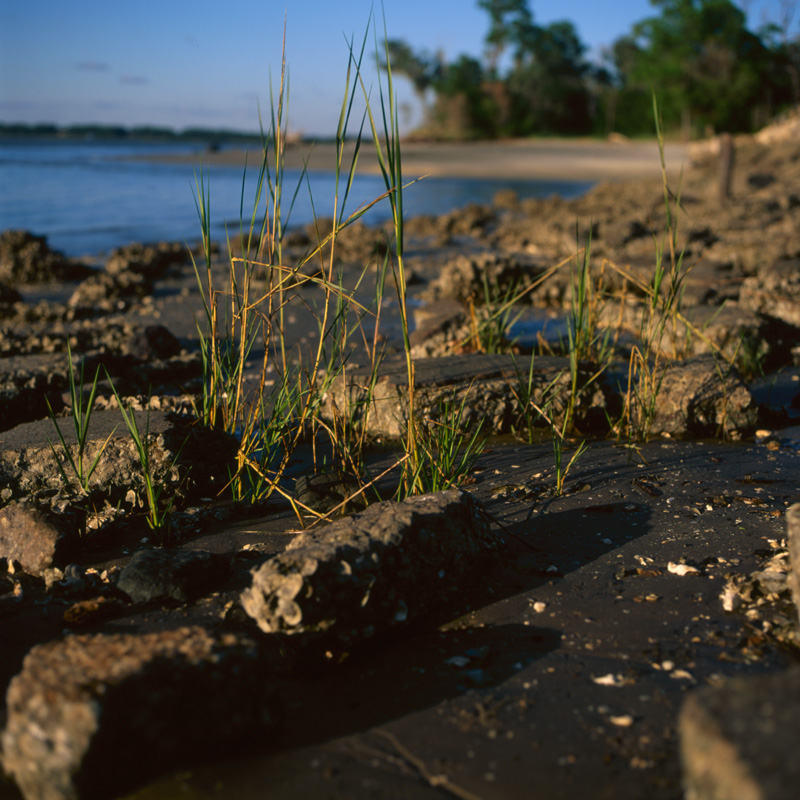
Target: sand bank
x,y
524,159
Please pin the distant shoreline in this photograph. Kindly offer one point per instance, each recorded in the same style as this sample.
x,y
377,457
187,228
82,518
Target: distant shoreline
x,y
520,159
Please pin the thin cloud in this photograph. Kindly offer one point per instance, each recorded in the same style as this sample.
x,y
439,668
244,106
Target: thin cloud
x,y
133,80
92,66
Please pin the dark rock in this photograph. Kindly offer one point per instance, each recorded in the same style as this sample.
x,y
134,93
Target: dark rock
x,y
701,397
793,534
150,377
9,297
760,180
93,716
637,230
95,611
471,220
440,328
149,261
326,491
738,334
179,452
372,571
704,236
491,388
775,292
739,740
35,538
356,243
472,277
26,258
182,575
26,384
51,332
106,293
153,342
710,283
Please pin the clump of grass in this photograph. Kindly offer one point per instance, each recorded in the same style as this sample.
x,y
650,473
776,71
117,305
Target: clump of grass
x,y
561,469
525,391
388,150
491,321
243,324
448,446
159,500
661,323
558,436
586,343
749,355
81,411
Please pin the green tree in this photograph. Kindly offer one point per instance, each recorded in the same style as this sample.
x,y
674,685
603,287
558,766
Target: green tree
x,y
421,68
549,84
465,107
707,68
510,23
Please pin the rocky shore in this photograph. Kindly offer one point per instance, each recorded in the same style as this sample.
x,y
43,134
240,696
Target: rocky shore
x,y
621,628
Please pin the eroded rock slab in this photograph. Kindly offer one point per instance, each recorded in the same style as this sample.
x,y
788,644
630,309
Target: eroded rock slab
x,y
491,387
90,716
793,535
371,571
775,292
740,739
35,538
178,457
181,575
26,384
702,397
26,258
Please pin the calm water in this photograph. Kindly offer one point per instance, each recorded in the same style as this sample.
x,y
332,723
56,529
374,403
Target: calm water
x,y
88,198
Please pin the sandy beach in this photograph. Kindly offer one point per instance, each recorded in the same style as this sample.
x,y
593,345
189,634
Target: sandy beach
x,y
521,159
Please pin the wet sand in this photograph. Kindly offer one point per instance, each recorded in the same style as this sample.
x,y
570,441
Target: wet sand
x,y
521,159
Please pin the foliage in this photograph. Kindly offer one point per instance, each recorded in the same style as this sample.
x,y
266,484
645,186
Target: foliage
x,y
709,70
705,65
548,84
81,410
159,499
447,446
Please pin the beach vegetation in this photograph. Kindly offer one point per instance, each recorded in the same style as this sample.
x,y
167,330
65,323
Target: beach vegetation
x,y
159,495
447,448
81,408
711,71
274,397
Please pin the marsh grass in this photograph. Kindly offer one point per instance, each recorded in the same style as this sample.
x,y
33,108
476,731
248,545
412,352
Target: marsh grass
x,y
272,396
529,418
664,334
558,437
588,344
242,334
385,130
448,446
81,412
159,498
492,318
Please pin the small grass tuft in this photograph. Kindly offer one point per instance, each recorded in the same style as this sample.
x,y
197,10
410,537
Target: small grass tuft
x,y
81,411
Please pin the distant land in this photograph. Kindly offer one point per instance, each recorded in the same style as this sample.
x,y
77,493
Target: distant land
x,y
119,132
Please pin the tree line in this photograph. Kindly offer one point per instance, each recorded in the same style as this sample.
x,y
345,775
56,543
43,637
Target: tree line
x,y
92,131
709,71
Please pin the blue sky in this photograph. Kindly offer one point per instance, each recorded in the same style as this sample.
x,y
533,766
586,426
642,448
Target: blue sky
x,y
183,64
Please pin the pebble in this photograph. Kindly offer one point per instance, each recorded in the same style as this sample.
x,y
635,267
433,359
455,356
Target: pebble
x,y
682,569
624,721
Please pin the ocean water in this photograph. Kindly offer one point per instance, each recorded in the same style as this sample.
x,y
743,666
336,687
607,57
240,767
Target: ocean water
x,y
89,197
